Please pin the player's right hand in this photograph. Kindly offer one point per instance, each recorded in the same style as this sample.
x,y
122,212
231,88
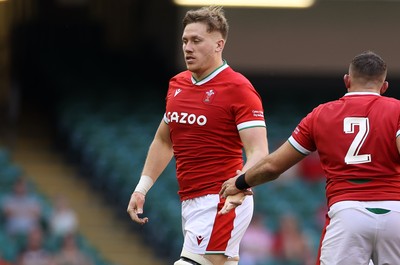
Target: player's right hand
x,y
135,208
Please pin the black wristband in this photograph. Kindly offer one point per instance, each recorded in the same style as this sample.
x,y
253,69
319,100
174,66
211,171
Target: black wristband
x,y
240,183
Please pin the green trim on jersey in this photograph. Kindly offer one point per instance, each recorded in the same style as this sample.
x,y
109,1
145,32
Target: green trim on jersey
x,y
378,210
359,181
223,64
254,126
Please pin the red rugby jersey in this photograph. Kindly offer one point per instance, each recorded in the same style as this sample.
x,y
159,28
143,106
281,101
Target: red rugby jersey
x,y
204,118
356,140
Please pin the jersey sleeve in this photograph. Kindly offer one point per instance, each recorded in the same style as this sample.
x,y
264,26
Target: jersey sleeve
x,y
170,93
167,97
302,137
247,108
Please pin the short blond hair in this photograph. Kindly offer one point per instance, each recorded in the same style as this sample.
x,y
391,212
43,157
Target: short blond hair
x,y
212,16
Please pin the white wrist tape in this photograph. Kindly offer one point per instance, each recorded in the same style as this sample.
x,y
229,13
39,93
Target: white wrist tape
x,y
144,184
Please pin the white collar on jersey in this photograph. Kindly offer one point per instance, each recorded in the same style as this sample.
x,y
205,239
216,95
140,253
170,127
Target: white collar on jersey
x,y
361,93
211,75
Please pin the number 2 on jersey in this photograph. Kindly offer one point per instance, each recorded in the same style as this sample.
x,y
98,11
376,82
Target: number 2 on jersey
x,y
353,156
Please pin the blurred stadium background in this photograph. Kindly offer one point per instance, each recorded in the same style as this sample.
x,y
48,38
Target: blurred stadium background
x,y
82,87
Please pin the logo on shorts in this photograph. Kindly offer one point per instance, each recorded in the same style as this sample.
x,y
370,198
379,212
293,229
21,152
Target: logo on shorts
x,y
199,239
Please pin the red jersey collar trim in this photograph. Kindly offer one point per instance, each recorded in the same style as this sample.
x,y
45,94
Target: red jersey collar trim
x,y
210,76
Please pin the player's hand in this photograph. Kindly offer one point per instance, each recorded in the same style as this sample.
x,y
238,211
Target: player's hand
x,y
135,207
233,201
229,187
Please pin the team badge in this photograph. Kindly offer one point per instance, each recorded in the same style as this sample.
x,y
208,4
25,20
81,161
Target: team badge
x,y
209,96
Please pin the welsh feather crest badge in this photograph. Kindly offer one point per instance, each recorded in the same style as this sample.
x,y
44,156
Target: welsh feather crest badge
x,y
209,96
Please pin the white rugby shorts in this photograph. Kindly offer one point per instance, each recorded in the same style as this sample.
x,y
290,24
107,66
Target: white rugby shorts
x,y
206,232
357,232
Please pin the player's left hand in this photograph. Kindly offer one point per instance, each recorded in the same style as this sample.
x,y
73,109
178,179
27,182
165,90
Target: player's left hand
x,y
229,188
234,201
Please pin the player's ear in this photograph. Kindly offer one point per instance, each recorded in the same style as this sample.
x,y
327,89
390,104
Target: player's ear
x,y
220,45
347,81
384,87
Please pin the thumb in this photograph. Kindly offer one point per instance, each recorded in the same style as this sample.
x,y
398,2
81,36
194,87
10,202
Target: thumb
x,y
139,204
139,208
248,192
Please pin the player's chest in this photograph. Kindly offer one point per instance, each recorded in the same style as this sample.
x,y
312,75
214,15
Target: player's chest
x,y
197,106
205,98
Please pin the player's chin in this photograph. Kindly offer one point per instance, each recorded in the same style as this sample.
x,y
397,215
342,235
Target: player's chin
x,y
191,67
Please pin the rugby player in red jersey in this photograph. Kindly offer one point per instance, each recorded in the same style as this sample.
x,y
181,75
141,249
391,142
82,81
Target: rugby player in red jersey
x,y
212,114
357,138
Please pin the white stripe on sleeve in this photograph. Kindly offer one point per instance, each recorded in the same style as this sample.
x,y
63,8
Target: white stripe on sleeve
x,y
298,147
250,124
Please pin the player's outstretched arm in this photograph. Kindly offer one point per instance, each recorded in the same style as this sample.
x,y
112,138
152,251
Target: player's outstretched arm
x,y
267,169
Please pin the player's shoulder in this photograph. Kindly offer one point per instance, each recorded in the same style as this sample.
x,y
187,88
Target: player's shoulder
x,y
329,104
181,77
392,105
234,76
235,84
390,100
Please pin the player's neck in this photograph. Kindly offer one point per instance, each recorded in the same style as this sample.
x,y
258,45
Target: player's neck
x,y
203,74
363,89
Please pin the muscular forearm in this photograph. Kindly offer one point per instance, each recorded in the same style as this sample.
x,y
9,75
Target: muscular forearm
x,y
158,157
267,169
260,173
253,158
270,167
